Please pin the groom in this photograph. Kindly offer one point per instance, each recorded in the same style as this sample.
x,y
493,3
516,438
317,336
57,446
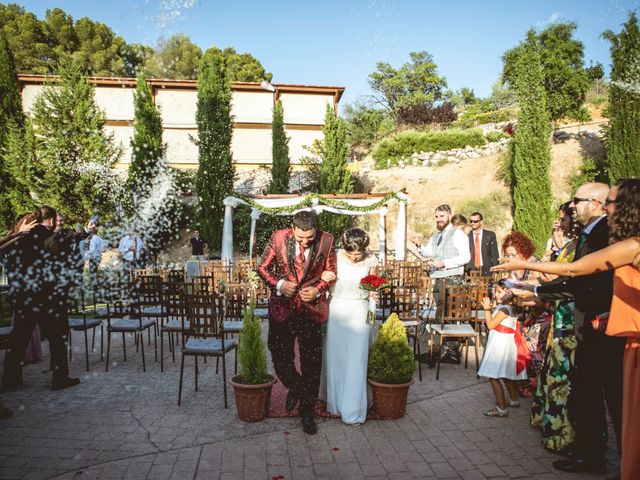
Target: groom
x,y
298,307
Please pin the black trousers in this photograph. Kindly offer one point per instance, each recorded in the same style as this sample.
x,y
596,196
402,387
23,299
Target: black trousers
x,y
598,379
54,325
306,383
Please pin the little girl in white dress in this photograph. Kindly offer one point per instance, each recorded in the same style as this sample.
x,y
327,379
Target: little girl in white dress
x,y
506,355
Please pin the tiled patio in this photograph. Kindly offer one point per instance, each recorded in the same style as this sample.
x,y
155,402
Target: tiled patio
x,y
126,424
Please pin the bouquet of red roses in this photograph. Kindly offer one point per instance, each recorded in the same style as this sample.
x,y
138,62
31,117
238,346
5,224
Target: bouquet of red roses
x,y
373,283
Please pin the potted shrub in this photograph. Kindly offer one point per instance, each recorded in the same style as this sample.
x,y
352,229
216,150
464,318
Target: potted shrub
x,y
391,367
252,386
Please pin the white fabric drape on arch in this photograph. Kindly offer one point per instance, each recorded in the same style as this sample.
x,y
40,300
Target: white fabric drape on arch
x,y
232,202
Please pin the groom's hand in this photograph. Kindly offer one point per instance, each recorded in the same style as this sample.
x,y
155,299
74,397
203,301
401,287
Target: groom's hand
x,y
309,294
288,289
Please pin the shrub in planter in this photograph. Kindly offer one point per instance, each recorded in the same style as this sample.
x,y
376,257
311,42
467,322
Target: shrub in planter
x,y
391,366
253,385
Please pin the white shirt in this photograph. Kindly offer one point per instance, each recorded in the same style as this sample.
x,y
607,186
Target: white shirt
x,y
96,246
130,247
460,241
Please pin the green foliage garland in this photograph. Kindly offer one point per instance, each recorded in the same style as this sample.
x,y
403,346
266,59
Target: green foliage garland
x,y
390,357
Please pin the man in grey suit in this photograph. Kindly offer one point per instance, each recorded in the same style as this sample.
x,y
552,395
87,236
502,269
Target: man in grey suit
x,y
482,245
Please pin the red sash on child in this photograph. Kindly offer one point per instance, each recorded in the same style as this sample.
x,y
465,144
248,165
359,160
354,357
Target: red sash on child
x,y
524,356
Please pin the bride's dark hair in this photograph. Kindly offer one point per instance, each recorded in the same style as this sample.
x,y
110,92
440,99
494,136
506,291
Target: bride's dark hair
x,y
355,239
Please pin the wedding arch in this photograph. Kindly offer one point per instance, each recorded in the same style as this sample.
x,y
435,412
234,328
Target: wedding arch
x,y
344,204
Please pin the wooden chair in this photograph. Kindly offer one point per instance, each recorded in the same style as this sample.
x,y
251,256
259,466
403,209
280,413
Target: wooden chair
x,y
207,338
241,268
174,318
78,322
480,288
455,323
123,318
203,284
220,271
405,304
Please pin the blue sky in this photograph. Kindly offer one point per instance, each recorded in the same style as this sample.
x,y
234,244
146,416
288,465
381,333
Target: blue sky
x,y
339,42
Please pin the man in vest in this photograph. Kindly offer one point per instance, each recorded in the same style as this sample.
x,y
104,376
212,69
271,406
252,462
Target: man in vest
x,y
448,253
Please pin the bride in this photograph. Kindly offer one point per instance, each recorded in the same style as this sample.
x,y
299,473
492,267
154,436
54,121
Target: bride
x,y
347,340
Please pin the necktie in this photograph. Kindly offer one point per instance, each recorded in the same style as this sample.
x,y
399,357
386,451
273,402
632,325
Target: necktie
x,y
476,248
439,239
582,239
300,264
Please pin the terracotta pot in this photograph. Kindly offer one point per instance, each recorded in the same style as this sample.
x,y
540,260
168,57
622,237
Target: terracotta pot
x,y
252,401
389,400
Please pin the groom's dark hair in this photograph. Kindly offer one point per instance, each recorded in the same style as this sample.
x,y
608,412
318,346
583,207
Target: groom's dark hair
x,y
305,220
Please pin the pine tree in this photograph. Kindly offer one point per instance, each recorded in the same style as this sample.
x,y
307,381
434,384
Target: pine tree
x,y
146,143
11,117
623,141
280,166
75,154
532,185
214,179
334,176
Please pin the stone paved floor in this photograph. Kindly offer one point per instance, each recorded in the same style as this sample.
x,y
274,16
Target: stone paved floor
x,y
125,423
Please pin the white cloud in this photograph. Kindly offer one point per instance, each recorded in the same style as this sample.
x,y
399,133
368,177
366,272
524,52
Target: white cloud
x,y
554,17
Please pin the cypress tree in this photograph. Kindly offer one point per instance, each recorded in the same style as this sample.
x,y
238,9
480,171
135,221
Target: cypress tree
x,y
334,176
11,117
280,167
532,185
214,179
146,143
623,139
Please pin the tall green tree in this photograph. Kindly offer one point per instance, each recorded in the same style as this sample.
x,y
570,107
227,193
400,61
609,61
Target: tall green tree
x,y
175,57
532,196
28,40
414,84
564,78
334,175
214,179
241,67
280,166
11,117
623,141
75,155
147,149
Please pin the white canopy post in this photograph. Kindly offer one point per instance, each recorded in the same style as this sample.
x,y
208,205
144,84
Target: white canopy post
x,y
255,214
226,250
401,227
382,235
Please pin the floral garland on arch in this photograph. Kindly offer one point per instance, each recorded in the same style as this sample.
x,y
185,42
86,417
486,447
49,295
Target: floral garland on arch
x,y
313,199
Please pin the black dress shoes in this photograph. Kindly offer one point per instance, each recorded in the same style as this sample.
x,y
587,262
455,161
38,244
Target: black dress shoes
x,y
309,425
579,466
291,402
62,383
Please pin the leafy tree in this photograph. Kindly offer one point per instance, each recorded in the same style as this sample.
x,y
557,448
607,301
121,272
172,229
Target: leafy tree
x,y
75,155
99,49
280,167
501,96
135,56
532,185
365,124
146,143
241,67
415,83
214,180
177,57
11,117
595,72
623,142
468,96
564,78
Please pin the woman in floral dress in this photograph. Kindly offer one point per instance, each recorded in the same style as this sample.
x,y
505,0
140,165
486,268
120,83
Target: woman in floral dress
x,y
549,410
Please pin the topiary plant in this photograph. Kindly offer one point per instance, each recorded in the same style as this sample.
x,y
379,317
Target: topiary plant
x,y
251,350
391,358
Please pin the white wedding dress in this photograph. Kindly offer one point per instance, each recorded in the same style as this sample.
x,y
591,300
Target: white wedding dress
x,y
347,342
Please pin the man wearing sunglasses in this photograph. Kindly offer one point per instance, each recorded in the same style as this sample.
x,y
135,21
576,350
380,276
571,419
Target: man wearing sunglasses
x,y
598,377
483,246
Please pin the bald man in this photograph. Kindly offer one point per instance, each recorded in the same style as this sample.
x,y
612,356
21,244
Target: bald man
x,y
598,375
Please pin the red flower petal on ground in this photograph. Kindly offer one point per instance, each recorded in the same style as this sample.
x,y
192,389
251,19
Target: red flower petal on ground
x,y
335,449
287,433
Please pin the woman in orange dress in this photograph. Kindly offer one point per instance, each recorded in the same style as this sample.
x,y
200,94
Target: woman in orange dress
x,y
623,255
